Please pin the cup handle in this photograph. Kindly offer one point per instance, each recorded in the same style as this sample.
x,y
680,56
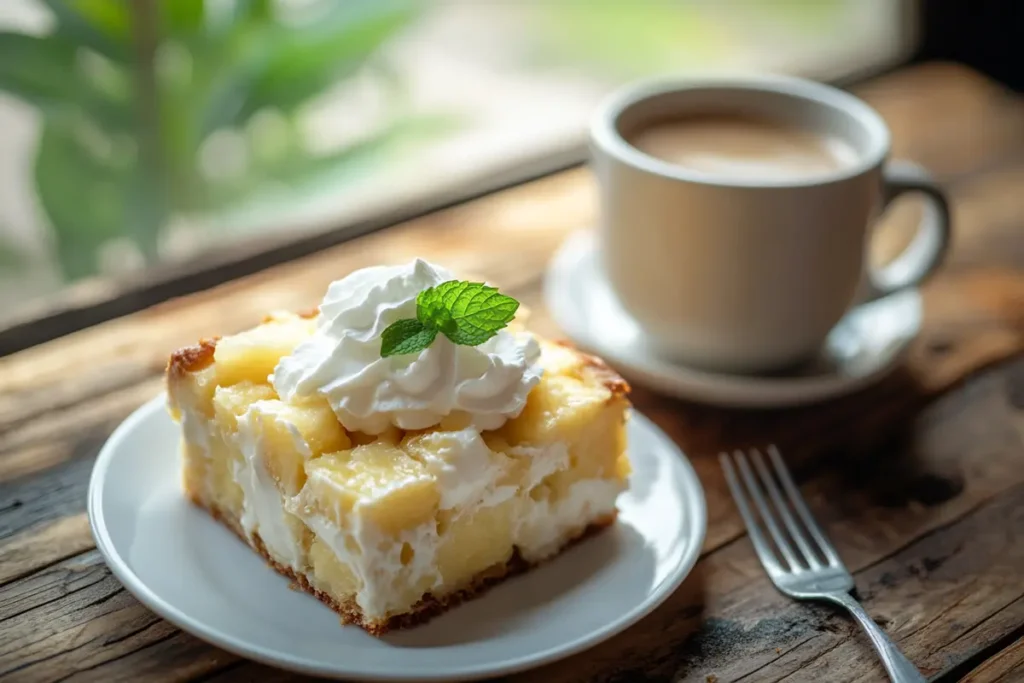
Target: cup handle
x,y
928,248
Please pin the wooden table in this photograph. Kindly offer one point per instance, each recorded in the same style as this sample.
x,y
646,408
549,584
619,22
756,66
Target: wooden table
x,y
919,480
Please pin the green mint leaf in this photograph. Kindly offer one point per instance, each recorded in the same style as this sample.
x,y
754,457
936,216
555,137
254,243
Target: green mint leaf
x,y
432,312
468,313
406,336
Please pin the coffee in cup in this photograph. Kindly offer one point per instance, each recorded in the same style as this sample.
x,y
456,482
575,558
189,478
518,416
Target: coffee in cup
x,y
733,146
735,215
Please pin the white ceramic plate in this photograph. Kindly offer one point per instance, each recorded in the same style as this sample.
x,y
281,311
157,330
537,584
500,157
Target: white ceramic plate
x,y
866,345
199,576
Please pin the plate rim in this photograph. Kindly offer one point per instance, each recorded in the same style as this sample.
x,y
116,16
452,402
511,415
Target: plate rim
x,y
696,508
693,384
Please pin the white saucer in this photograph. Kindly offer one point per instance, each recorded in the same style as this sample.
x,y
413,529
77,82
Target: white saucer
x,y
199,576
865,346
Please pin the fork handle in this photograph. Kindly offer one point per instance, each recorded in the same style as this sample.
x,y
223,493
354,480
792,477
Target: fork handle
x,y
900,669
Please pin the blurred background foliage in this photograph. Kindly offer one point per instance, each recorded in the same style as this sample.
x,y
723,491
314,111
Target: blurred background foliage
x,y
186,133
154,109
626,40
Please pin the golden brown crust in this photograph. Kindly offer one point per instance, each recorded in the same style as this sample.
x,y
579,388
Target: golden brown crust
x,y
429,606
600,370
192,358
199,356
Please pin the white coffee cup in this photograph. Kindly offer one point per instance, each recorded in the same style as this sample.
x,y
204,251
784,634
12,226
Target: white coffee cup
x,y
745,274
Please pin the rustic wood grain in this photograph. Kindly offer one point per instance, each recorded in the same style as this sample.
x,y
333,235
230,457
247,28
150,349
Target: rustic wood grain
x,y
918,479
74,619
1004,667
25,552
947,494
728,618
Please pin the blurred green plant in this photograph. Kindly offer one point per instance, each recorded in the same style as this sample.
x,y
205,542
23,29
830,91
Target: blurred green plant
x,y
13,257
801,15
624,39
130,92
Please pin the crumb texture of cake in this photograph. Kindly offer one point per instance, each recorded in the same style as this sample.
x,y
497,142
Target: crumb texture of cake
x,y
393,524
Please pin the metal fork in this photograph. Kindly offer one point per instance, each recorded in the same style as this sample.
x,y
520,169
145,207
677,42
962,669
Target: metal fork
x,y
804,574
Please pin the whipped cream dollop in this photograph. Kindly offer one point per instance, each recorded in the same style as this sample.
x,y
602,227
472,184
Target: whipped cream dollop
x,y
485,384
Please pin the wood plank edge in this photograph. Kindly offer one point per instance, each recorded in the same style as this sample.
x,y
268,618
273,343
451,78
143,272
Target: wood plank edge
x,y
978,659
1000,667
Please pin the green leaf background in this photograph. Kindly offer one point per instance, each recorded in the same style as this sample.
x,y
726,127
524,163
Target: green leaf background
x,y
623,39
112,162
84,198
13,257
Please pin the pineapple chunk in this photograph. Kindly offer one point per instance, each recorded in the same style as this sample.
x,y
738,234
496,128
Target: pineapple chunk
x,y
329,574
596,452
623,467
455,421
253,354
472,543
231,402
559,408
391,435
392,491
318,426
294,434
561,361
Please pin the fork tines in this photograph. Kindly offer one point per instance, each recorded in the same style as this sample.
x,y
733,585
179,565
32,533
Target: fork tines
x,y
813,550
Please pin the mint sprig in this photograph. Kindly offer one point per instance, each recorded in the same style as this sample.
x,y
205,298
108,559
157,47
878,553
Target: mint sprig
x,y
406,336
468,313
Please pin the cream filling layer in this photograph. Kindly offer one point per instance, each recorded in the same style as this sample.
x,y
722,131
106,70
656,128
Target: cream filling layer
x,y
375,559
263,505
545,525
541,528
195,429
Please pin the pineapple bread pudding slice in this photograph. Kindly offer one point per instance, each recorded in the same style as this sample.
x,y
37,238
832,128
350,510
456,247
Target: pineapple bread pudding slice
x,y
390,476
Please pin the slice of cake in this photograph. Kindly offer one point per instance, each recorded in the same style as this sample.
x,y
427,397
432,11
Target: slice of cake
x,y
392,483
